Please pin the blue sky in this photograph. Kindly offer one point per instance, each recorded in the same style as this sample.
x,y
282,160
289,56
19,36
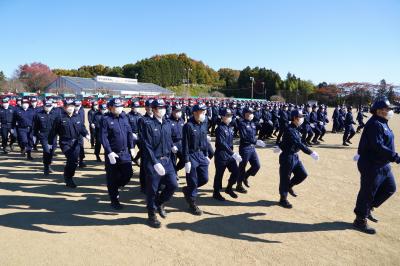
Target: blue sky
x,y
333,41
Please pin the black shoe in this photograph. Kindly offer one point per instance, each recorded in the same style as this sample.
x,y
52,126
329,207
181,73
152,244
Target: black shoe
x,y
345,144
82,165
246,182
70,183
152,221
285,204
241,189
29,156
231,193
92,146
291,192
348,141
218,196
98,159
5,151
361,225
161,211
185,194
46,171
195,210
372,218
116,205
321,139
316,142
51,170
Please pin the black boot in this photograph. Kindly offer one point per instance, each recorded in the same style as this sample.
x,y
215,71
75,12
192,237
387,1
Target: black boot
x,y
240,188
230,192
116,205
246,181
152,221
345,144
291,192
362,225
283,202
46,170
82,164
371,217
98,159
29,156
51,170
161,211
218,196
194,209
69,182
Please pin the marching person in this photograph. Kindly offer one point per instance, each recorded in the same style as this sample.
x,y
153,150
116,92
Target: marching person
x,y
307,132
156,160
177,130
97,122
91,113
360,119
43,123
376,151
69,128
247,151
195,152
289,161
79,110
349,131
117,140
134,117
24,123
225,157
6,124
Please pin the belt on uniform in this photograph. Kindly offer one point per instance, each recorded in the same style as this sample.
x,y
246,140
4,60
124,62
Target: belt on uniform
x,y
163,158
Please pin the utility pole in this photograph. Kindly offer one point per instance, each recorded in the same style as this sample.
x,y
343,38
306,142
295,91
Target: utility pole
x,y
252,87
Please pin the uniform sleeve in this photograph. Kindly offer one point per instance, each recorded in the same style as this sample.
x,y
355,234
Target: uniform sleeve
x,y
130,140
104,137
297,141
376,143
148,147
185,143
54,130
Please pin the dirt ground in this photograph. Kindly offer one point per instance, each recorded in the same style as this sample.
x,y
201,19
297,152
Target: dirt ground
x,y
44,223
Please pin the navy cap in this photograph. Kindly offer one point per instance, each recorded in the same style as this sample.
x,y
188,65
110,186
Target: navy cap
x,y
68,102
176,107
77,102
33,99
158,103
135,104
226,112
48,103
199,107
5,100
248,110
148,102
380,104
25,100
103,106
116,102
296,113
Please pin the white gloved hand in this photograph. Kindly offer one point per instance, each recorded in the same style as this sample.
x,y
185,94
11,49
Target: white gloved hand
x,y
277,149
133,154
50,147
87,137
315,156
188,167
237,157
261,143
356,157
321,123
174,149
208,138
12,131
112,156
261,121
34,139
270,122
312,125
134,135
159,169
92,125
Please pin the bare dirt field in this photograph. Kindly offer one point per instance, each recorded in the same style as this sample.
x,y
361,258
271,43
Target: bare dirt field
x,y
44,223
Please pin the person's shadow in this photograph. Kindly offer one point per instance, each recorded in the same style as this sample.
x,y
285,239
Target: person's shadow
x,y
241,226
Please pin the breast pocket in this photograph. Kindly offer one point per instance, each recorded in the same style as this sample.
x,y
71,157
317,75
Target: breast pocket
x,y
156,136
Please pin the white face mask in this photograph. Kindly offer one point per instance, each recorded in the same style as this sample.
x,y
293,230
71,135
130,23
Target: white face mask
x,y
5,105
389,115
70,109
95,107
301,121
118,110
309,110
227,120
160,113
48,109
202,117
34,104
76,108
25,106
54,105
250,117
178,115
103,111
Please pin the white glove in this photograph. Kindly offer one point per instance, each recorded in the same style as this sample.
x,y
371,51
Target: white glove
x,y
356,157
312,125
34,139
237,157
50,147
92,126
277,149
112,157
261,121
315,156
159,169
134,135
261,143
321,123
290,122
188,166
208,138
132,151
87,137
12,131
270,122
174,149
